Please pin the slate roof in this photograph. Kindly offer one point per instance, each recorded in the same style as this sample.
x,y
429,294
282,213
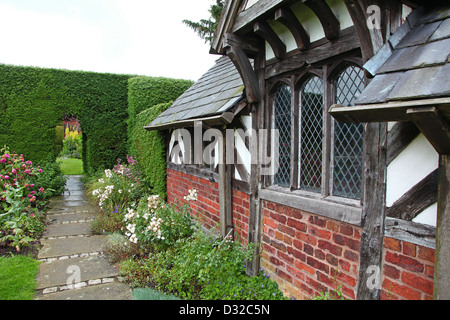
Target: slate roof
x,y
213,94
413,63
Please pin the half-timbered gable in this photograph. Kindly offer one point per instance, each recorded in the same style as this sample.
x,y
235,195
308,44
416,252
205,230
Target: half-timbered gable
x,y
327,155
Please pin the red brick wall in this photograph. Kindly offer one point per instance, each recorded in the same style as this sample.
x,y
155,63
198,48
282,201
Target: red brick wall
x,y
408,271
240,215
307,253
207,205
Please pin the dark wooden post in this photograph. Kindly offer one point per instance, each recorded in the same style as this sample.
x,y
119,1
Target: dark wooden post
x,y
373,213
442,253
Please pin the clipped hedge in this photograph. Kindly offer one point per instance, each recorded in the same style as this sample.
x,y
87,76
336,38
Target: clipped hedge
x,y
147,98
146,92
110,108
33,101
149,149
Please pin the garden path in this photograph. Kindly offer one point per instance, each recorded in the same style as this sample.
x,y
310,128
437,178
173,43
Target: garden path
x,y
74,266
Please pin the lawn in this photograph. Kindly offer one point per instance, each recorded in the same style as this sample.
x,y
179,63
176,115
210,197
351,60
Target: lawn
x,y
18,277
71,166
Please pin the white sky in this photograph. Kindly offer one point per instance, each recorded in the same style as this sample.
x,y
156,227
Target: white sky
x,y
142,37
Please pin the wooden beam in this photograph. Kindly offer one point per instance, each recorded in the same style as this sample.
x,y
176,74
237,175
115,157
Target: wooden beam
x,y
288,18
359,21
261,10
262,29
418,233
433,126
225,192
326,17
399,137
417,199
373,213
250,45
316,52
388,111
245,69
225,23
442,253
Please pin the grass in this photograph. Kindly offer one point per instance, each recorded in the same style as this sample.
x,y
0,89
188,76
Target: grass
x,y
18,277
151,294
71,166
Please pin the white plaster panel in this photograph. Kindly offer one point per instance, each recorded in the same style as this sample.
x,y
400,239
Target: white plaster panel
x,y
428,216
413,164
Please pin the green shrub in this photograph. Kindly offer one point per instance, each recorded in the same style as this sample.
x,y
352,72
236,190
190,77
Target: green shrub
x,y
201,267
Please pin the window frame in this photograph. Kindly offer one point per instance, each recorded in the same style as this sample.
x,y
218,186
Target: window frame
x,y
329,74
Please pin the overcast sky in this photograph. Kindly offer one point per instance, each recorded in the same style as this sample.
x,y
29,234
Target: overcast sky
x,y
143,37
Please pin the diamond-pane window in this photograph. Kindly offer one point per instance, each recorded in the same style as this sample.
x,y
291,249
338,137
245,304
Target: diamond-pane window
x,y
311,127
282,112
348,138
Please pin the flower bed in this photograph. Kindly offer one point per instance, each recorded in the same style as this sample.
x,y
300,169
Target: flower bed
x,y
22,196
161,246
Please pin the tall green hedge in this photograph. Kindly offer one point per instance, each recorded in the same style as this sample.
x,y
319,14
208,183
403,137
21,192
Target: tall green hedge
x,y
146,92
149,149
147,98
112,110
34,100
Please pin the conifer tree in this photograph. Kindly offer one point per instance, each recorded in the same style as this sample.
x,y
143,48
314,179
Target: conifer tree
x,y
206,28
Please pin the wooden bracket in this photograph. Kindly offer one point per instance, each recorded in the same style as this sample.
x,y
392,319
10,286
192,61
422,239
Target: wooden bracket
x,y
250,45
262,29
326,17
433,126
290,21
245,69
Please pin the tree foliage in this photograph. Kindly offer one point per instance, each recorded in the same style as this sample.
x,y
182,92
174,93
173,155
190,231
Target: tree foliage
x,y
206,28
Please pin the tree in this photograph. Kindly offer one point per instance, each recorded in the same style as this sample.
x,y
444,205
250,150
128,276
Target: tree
x,y
206,28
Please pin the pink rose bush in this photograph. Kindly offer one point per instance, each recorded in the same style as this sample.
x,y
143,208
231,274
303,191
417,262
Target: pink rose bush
x,y
18,196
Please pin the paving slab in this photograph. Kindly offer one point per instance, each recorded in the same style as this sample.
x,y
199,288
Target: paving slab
x,y
70,229
70,246
107,291
59,272
68,216
70,252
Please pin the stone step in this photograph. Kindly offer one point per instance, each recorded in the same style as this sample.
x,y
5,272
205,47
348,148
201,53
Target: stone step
x,y
104,291
60,273
69,217
56,248
68,229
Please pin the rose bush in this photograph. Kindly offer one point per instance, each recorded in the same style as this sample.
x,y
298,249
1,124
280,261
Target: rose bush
x,y
114,191
19,217
155,225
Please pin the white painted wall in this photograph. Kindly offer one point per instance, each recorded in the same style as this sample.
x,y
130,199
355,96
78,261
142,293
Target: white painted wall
x,y
413,164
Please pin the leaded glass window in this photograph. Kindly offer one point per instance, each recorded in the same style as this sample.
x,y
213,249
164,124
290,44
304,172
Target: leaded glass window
x,y
282,118
311,127
348,138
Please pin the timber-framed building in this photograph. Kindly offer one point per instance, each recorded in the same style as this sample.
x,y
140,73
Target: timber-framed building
x,y
353,189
